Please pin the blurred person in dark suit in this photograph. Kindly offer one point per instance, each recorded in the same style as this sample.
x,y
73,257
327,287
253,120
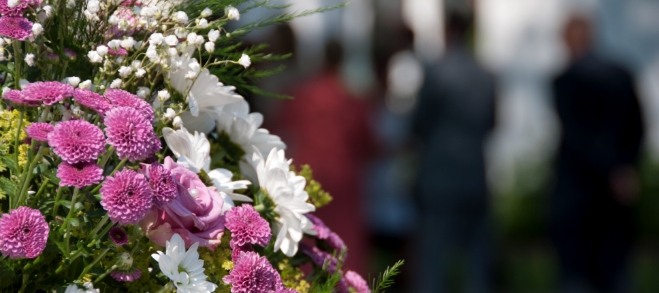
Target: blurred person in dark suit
x,y
454,115
591,218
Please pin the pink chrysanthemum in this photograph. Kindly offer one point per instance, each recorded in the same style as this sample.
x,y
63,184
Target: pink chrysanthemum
x,y
319,226
77,141
16,97
126,276
118,236
247,226
162,184
23,233
286,290
253,273
48,92
130,134
121,98
39,131
15,27
126,196
18,9
356,281
79,175
92,100
237,250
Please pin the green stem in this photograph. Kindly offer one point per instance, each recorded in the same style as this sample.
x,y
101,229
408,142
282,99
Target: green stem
x,y
104,232
68,218
40,191
17,64
26,183
18,133
106,157
91,265
112,268
57,198
99,226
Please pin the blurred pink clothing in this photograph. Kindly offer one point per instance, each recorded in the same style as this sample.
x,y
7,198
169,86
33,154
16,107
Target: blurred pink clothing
x,y
328,129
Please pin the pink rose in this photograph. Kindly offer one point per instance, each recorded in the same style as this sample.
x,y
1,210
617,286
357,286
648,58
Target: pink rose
x,y
195,213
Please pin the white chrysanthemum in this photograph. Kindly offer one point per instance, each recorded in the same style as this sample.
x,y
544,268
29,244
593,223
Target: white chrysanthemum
x,y
192,150
204,93
287,192
183,267
224,184
243,128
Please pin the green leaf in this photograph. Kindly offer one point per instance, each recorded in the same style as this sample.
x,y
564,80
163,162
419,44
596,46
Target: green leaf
x,y
10,163
385,280
7,187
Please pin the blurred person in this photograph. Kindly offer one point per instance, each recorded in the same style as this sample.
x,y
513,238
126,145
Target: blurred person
x,y
454,115
596,183
328,128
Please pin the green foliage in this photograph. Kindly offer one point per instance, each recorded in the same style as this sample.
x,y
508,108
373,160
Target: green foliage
x,y
7,187
385,280
317,196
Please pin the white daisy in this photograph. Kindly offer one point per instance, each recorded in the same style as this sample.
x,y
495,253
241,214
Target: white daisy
x,y
192,150
203,93
243,128
183,267
287,192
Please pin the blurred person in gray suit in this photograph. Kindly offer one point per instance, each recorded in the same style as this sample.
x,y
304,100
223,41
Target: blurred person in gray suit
x,y
454,116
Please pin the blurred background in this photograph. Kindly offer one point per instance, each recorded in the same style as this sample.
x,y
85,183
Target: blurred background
x,y
496,145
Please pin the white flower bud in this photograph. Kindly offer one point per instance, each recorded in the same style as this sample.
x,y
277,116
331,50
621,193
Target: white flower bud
x,y
156,39
29,59
140,72
23,83
172,52
213,35
209,46
115,84
143,92
203,23
37,29
181,17
199,40
94,57
87,84
102,50
181,33
192,38
194,69
171,40
73,81
245,61
5,90
128,43
206,12
114,20
114,44
232,13
177,123
163,95
169,114
125,71
48,10
93,6
76,111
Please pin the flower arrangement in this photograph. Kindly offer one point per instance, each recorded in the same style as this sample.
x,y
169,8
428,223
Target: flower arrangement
x,y
126,165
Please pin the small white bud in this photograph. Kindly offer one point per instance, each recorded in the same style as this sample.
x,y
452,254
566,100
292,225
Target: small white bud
x,y
171,40
93,6
29,59
48,10
232,13
213,35
177,123
115,84
203,23
192,38
73,81
37,29
156,39
181,33
125,71
245,61
102,50
76,111
136,64
114,20
181,17
114,44
172,52
12,3
94,57
140,73
87,84
143,92
206,12
169,114
128,43
163,95
209,46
